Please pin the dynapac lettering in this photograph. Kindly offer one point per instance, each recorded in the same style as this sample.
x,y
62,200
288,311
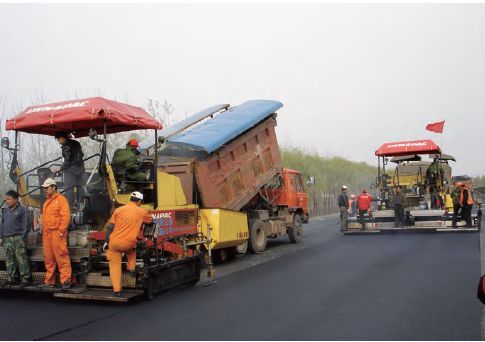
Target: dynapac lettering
x,y
64,106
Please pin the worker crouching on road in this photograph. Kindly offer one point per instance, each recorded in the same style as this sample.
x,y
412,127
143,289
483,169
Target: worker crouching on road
x,y
400,202
56,218
343,203
13,232
364,201
125,223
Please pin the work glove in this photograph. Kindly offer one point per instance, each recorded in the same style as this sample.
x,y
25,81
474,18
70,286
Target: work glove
x,y
105,247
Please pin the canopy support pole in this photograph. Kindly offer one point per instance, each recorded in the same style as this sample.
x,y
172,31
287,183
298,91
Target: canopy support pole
x,y
155,205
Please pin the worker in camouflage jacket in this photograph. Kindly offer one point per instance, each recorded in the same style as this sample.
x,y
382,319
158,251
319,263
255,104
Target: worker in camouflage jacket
x,y
125,159
13,233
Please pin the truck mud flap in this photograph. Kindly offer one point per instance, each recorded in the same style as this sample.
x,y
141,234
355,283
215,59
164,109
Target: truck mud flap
x,y
103,295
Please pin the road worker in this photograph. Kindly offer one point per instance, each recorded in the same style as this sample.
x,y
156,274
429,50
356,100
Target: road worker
x,y
353,205
56,218
400,202
72,167
455,196
466,204
364,201
13,232
125,223
343,203
125,161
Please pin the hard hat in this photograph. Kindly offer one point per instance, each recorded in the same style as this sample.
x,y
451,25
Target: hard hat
x,y
457,184
133,142
137,195
61,134
48,182
344,187
352,196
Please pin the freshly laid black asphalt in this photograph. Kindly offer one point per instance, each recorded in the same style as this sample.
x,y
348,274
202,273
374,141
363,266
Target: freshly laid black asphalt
x,y
330,287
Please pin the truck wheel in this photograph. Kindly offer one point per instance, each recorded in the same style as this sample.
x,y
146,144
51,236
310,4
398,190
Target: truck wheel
x,y
257,236
223,255
296,230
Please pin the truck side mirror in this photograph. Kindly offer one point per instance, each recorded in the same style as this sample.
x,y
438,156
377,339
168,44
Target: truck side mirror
x,y
5,142
310,181
161,140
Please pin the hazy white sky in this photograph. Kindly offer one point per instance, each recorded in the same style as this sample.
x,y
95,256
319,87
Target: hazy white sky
x,y
351,77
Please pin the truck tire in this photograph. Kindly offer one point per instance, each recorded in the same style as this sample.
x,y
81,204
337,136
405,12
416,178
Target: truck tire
x,y
257,236
296,230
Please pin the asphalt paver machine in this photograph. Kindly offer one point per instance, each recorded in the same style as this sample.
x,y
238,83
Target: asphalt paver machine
x,y
166,256
426,184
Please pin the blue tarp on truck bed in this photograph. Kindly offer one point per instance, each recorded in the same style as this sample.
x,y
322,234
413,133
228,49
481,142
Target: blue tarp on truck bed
x,y
212,134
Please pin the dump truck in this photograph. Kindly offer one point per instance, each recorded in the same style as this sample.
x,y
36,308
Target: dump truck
x,y
426,184
182,195
230,167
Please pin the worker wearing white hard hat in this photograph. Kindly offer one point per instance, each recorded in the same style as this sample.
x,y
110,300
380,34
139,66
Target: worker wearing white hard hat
x,y
125,223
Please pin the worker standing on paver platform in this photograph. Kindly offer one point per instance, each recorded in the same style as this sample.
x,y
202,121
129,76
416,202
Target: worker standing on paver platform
x,y
125,223
364,201
466,204
72,167
455,195
13,231
56,218
343,203
400,202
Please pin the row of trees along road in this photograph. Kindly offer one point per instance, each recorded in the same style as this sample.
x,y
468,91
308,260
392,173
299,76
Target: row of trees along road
x,y
330,174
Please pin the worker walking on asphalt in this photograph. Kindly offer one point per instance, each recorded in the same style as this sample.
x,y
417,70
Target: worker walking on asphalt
x,y
56,218
466,204
343,203
455,196
125,161
364,201
13,232
400,202
125,223
72,167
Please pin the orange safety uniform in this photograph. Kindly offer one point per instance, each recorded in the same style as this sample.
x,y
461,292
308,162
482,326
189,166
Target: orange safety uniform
x,y
127,221
56,217
469,200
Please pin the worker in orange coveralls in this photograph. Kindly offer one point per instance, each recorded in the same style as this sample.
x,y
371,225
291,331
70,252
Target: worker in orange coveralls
x,y
125,223
56,218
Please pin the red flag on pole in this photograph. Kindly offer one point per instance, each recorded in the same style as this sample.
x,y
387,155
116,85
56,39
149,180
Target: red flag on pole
x,y
436,126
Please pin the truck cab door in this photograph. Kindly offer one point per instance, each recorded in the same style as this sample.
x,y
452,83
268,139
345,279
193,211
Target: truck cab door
x,y
301,195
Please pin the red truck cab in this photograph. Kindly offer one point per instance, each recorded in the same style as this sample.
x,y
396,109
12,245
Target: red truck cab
x,y
291,193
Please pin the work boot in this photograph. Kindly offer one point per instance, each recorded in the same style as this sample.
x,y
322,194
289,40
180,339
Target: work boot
x,y
11,282
117,294
23,284
132,273
66,285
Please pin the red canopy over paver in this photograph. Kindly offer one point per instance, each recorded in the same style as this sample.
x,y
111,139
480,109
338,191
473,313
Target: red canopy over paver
x,y
401,148
79,116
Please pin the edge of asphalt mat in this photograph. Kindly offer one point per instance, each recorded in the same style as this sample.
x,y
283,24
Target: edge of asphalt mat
x,y
271,253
